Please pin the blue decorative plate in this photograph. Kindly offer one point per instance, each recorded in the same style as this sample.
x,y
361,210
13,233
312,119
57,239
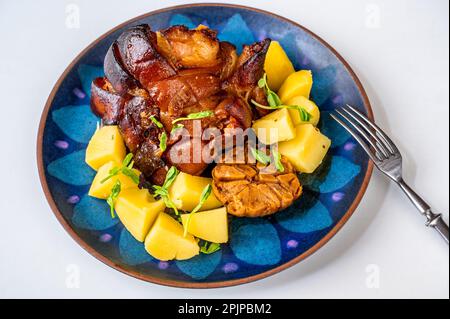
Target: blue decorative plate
x,y
258,247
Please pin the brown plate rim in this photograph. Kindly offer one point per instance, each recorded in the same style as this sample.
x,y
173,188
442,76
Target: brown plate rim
x,y
181,284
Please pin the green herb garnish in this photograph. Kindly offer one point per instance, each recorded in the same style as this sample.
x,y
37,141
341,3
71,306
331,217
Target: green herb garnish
x,y
163,191
275,102
260,156
163,141
194,116
126,169
203,197
209,248
277,159
115,191
156,122
176,127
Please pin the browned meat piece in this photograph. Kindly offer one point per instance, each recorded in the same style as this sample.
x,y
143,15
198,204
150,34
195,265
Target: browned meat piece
x,y
116,72
254,190
250,68
234,112
194,163
138,50
186,48
229,60
105,102
178,93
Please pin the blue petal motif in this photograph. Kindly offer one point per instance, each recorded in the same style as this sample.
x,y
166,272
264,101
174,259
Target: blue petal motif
x,y
178,19
77,122
87,73
132,251
333,129
305,220
255,241
93,214
342,171
200,266
323,80
237,32
72,169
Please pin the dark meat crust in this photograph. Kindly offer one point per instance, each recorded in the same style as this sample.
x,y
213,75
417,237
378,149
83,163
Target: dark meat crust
x,y
138,49
116,72
198,48
105,102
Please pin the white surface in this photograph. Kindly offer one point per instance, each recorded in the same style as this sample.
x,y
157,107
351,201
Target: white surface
x,y
403,62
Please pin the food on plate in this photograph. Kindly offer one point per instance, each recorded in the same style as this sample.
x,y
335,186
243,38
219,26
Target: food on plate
x,y
186,190
255,190
199,224
137,210
296,84
170,75
275,127
167,100
309,106
277,65
101,186
307,150
106,145
166,240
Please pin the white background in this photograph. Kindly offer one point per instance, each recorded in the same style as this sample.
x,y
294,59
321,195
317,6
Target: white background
x,y
400,51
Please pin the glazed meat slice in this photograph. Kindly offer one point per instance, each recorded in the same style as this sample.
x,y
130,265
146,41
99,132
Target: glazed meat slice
x,y
105,102
250,190
115,71
138,51
250,68
198,48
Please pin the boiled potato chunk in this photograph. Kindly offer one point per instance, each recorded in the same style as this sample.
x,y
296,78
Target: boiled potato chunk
x,y
137,210
277,66
105,145
166,240
186,191
308,105
307,150
211,225
102,190
274,127
298,83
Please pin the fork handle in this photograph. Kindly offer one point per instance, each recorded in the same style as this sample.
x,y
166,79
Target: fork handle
x,y
433,220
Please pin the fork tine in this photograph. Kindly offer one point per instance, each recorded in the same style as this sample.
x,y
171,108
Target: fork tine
x,y
361,142
385,150
387,140
361,131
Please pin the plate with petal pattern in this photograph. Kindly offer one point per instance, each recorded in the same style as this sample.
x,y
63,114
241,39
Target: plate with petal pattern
x,y
258,247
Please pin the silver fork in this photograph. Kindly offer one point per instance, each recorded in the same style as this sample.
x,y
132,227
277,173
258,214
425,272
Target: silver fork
x,y
387,158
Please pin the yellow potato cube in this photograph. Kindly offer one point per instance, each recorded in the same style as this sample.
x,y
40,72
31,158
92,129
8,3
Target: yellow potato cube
x,y
211,225
186,191
102,190
298,83
166,240
307,150
277,66
105,145
137,210
274,127
308,105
